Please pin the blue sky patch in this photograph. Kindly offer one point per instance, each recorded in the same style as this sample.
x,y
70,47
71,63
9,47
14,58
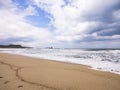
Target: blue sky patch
x,y
39,20
21,4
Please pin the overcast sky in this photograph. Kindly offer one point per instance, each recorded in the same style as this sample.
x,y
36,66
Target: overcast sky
x,y
60,23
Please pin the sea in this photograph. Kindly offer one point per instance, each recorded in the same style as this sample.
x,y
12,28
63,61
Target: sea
x,y
99,59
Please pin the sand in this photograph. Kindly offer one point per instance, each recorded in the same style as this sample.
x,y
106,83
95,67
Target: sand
x,y
26,73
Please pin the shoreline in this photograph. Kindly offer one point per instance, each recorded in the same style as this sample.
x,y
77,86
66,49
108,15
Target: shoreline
x,y
90,67
28,73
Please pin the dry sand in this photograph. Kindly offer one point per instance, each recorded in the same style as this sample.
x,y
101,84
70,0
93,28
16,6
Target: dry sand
x,y
25,73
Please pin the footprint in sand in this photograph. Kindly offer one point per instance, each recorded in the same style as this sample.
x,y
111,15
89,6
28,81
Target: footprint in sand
x,y
1,77
6,82
20,86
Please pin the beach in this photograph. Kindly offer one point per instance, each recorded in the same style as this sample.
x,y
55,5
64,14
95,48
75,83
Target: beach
x,y
26,73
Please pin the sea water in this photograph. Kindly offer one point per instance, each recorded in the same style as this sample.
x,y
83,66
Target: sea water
x,y
99,59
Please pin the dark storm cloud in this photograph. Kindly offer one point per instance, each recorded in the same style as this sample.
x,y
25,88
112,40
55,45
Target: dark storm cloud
x,y
109,25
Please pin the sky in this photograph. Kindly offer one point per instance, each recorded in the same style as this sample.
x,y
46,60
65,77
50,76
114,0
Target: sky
x,y
60,23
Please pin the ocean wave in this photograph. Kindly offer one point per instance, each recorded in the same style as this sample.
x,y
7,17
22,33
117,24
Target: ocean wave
x,y
106,60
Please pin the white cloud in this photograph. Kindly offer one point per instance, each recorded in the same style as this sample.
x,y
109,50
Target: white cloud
x,y
116,36
30,10
69,19
116,14
13,25
97,37
6,4
100,44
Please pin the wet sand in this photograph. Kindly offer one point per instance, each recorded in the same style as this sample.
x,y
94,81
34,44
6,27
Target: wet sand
x,y
26,73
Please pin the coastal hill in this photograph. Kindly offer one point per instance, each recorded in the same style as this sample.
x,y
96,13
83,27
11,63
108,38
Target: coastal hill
x,y
12,46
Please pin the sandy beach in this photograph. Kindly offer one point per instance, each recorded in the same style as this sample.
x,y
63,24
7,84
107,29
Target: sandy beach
x,y
26,73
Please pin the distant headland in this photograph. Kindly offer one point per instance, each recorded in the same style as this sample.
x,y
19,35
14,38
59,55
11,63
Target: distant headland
x,y
13,46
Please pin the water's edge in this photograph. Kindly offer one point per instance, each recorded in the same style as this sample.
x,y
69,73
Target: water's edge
x,y
104,60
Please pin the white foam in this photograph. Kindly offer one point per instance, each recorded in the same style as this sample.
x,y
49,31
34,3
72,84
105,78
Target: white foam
x,y
105,60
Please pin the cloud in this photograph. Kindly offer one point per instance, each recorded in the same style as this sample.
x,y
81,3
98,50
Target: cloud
x,y
76,23
116,14
77,17
30,10
14,26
